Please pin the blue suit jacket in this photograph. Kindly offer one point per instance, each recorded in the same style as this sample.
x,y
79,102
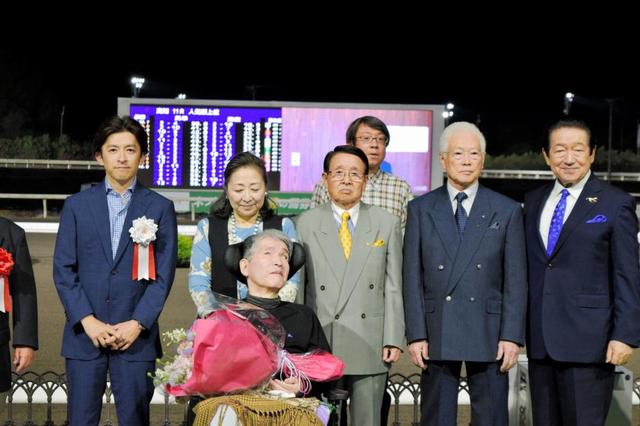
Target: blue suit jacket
x,y
587,292
463,296
90,281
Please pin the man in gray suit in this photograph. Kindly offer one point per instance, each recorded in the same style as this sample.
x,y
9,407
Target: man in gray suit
x,y
353,280
464,285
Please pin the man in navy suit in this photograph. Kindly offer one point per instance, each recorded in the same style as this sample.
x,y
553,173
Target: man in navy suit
x,y
111,310
584,300
464,286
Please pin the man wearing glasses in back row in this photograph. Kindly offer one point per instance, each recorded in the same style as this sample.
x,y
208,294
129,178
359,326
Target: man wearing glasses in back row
x,y
383,189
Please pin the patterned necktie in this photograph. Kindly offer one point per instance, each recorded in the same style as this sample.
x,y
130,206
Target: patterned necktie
x,y
556,222
345,235
461,213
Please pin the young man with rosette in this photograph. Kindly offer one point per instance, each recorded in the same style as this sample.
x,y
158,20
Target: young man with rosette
x,y
113,267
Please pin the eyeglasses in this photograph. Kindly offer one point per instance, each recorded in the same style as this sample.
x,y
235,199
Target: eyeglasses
x,y
339,175
474,155
370,140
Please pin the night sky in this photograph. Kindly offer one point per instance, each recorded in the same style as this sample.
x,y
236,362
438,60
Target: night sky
x,y
512,96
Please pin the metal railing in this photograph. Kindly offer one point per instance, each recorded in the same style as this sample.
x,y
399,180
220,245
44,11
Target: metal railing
x,y
19,163
548,175
50,388
30,390
43,197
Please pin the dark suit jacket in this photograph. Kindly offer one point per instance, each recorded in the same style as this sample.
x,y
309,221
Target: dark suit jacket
x,y
90,281
23,298
464,296
587,292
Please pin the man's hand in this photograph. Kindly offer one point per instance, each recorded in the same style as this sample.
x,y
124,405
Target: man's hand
x,y
419,352
101,334
618,353
22,357
508,352
126,332
291,385
390,354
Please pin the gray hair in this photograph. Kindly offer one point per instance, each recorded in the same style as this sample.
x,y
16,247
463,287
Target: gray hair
x,y
251,243
461,126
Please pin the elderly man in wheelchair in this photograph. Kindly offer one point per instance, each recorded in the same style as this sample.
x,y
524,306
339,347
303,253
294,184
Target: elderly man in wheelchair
x,y
264,262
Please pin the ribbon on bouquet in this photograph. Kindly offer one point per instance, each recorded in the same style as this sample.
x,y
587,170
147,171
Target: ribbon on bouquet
x,y
6,266
144,262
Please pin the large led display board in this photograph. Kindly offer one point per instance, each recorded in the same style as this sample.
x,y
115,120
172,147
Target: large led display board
x,y
191,141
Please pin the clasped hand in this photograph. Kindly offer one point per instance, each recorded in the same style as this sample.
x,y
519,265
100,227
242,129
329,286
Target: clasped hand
x,y
290,385
117,337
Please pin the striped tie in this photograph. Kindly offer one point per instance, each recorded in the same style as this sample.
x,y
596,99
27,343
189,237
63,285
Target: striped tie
x,y
345,235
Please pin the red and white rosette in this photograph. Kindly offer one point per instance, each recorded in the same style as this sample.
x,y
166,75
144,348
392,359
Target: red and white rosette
x,y
143,232
6,266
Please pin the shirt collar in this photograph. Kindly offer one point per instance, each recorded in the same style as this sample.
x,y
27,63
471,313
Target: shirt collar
x,y
574,190
374,178
353,211
108,188
470,191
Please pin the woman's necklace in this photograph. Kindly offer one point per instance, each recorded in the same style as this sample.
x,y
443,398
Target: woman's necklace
x,y
232,228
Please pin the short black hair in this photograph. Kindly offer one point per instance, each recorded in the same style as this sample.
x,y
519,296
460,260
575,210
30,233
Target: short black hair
x,y
346,149
370,121
568,123
117,124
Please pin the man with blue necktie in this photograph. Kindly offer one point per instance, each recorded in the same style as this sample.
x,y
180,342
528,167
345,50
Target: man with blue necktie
x,y
465,288
584,283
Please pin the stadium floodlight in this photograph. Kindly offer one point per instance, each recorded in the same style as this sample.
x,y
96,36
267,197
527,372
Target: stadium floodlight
x,y
447,113
568,99
136,85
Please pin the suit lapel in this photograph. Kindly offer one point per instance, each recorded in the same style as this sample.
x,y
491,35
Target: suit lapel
x,y
538,215
100,210
328,238
359,254
442,216
477,224
136,209
579,212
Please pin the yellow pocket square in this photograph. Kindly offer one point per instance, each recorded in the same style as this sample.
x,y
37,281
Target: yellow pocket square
x,y
377,243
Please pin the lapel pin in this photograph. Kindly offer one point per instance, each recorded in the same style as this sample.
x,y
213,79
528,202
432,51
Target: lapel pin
x,y
483,216
592,200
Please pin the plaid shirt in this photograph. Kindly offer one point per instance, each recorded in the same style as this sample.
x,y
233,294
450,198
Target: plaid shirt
x,y
382,190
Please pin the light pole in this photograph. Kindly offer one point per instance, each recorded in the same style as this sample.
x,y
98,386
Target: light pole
x,y
62,122
568,99
447,113
611,103
136,85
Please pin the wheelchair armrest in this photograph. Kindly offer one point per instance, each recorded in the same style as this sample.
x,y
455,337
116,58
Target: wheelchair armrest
x,y
337,395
